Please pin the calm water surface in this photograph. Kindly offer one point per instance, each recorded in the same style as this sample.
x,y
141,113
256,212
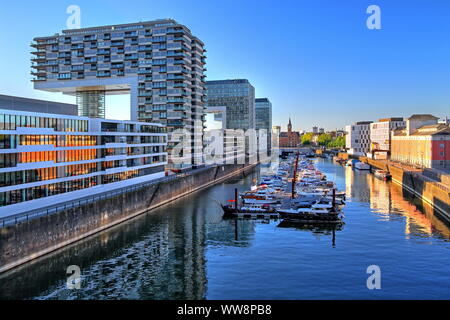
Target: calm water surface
x,y
185,250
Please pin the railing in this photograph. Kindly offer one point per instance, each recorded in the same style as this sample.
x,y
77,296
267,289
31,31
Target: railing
x,y
25,216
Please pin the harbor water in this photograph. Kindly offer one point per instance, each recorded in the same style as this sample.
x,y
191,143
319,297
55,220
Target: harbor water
x,y
186,250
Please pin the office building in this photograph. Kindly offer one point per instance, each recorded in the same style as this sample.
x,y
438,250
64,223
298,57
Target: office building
x,y
159,63
380,133
44,155
222,145
263,120
238,96
357,138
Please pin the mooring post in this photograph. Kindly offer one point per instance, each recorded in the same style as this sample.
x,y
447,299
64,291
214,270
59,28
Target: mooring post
x,y
334,199
236,199
294,178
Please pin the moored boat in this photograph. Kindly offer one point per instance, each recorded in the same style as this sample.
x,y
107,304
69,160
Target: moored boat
x,y
362,166
382,175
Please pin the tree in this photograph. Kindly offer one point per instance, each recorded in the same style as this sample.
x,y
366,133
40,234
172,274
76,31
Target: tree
x,y
324,139
306,138
338,142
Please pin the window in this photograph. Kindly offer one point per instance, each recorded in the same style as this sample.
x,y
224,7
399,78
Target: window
x,y
63,76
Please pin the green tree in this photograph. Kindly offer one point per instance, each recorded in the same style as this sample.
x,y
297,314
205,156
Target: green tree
x,y
306,138
324,139
338,142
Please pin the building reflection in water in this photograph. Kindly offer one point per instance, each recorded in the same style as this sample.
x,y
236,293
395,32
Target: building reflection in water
x,y
160,255
316,230
380,196
156,256
389,200
354,179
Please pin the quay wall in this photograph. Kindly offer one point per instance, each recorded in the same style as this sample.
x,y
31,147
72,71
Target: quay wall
x,y
434,193
28,240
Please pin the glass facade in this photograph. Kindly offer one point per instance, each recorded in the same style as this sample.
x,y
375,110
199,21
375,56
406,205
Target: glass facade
x,y
263,116
238,96
34,161
12,122
91,104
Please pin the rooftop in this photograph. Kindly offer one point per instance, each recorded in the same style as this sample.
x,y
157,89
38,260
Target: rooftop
x,y
34,105
228,81
391,119
428,130
433,129
423,117
119,27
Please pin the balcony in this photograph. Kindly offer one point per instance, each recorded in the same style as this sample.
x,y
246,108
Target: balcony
x,y
131,34
39,73
90,38
39,78
117,43
144,48
103,73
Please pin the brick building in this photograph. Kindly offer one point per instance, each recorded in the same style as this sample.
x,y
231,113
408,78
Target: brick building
x,y
289,139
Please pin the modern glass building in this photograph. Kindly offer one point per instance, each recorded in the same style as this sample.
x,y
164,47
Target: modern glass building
x,y
263,116
159,63
238,96
222,146
42,155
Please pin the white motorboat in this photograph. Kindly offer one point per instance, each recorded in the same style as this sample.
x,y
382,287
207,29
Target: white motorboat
x,y
362,166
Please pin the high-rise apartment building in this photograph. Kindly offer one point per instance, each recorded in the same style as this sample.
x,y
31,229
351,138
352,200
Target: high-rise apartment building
x,y
238,96
159,63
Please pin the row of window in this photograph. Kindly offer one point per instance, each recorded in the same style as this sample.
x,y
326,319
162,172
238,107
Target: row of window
x,y
12,141
21,195
12,159
36,175
11,122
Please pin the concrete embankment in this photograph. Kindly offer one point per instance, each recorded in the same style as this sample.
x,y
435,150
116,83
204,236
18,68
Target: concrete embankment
x,y
435,193
28,240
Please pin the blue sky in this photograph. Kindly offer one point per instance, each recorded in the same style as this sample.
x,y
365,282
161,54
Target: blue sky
x,y
315,60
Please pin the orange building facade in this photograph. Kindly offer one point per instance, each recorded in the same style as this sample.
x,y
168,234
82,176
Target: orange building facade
x,y
428,146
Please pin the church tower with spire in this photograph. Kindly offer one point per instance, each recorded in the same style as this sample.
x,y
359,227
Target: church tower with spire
x,y
289,139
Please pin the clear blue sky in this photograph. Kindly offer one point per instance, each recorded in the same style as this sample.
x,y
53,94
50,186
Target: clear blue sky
x,y
315,60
